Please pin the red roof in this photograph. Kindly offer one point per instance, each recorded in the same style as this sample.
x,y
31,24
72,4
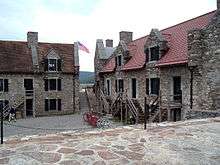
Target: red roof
x,y
177,40
15,56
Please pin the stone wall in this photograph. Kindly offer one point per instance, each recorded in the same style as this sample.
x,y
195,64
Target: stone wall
x,y
204,59
166,86
67,94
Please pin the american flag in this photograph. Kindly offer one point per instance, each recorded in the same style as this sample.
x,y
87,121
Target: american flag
x,y
83,47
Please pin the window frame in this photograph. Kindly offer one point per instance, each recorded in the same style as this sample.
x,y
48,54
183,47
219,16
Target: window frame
x,y
150,53
5,85
47,103
108,87
151,90
47,85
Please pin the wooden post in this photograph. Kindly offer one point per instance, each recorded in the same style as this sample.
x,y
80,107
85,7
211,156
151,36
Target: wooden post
x,y
2,124
126,108
145,113
121,111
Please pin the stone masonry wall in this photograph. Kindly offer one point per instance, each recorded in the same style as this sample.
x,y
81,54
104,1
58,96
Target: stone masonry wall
x,y
16,87
204,58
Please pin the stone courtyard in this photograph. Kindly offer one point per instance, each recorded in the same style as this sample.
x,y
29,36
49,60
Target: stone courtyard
x,y
189,142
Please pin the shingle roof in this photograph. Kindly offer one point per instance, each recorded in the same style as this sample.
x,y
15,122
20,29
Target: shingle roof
x,y
15,56
177,40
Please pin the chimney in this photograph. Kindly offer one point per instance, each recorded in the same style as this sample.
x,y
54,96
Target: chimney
x,y
218,4
32,40
109,43
126,36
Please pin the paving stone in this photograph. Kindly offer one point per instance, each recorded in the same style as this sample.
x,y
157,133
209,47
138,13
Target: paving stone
x,y
44,157
136,147
142,140
85,152
69,162
66,150
4,160
119,147
99,163
5,153
131,155
98,147
106,155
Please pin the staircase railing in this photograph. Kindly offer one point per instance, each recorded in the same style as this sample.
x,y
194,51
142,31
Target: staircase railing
x,y
153,107
117,99
132,108
102,97
6,109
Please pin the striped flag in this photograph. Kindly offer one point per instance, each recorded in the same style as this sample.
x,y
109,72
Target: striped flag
x,y
83,47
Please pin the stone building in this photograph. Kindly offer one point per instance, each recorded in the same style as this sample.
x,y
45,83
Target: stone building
x,y
178,67
39,78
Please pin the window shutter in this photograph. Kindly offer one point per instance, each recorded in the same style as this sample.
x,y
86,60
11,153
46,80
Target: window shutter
x,y
59,65
45,64
147,86
46,105
46,84
59,85
59,104
5,85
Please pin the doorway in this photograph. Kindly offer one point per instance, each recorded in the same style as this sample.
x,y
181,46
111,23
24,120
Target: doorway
x,y
29,107
176,114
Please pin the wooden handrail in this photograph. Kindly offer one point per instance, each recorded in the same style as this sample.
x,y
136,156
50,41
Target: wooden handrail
x,y
132,108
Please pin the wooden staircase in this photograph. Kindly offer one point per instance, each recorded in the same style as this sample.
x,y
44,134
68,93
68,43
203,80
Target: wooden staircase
x,y
16,105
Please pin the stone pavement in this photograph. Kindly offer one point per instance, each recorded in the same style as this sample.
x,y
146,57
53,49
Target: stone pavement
x,y
189,142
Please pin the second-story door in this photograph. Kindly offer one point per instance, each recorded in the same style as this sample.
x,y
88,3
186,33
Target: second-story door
x,y
177,88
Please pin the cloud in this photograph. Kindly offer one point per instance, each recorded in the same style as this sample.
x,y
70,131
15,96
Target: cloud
x,y
69,20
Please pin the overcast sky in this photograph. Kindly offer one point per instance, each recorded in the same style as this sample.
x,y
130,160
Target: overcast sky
x,y
66,21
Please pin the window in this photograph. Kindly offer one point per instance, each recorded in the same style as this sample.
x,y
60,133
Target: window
x,y
108,86
119,85
3,85
52,84
53,104
52,65
118,60
154,53
134,87
155,86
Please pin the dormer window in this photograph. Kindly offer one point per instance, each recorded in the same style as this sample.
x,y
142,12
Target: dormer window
x,y
154,53
53,65
52,62
118,60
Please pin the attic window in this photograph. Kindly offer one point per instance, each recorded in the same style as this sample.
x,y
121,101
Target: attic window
x,y
154,53
118,60
52,65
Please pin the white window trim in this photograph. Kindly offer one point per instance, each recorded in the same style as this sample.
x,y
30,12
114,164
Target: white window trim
x,y
57,106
